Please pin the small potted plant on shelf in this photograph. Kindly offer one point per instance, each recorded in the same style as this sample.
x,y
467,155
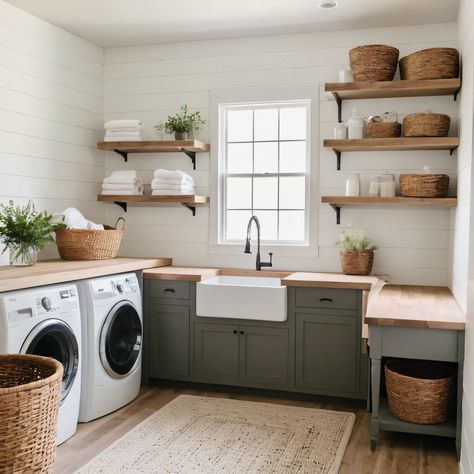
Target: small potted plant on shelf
x,y
184,124
25,231
357,255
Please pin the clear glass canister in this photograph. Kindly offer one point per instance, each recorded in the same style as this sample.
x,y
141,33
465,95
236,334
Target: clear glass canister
x,y
387,185
374,186
353,185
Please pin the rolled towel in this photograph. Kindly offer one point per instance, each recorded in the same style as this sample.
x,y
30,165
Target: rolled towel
x,y
169,192
74,219
122,133
122,192
130,187
166,174
186,180
131,123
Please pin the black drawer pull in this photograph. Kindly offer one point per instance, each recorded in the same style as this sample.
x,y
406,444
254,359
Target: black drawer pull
x,y
328,300
169,290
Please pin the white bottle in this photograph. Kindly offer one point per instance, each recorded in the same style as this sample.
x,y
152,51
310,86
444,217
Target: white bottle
x,y
387,185
353,185
356,125
340,131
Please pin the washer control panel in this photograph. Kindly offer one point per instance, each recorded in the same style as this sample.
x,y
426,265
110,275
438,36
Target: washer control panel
x,y
120,285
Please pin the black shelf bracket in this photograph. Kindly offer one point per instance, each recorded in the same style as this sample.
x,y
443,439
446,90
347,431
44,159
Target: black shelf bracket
x,y
456,95
338,157
123,154
339,107
123,205
191,208
452,150
190,154
338,212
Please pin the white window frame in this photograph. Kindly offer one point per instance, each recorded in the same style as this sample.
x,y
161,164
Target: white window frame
x,y
266,96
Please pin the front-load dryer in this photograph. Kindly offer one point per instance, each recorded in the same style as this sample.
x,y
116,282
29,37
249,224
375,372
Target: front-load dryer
x,y
112,333
46,321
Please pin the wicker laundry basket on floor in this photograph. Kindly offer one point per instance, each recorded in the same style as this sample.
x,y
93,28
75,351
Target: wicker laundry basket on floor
x,y
30,394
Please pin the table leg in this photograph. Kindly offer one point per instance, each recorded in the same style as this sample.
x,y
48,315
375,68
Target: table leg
x,y
374,422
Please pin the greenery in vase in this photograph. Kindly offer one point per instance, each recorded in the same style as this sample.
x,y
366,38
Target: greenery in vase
x,y
184,121
355,240
23,227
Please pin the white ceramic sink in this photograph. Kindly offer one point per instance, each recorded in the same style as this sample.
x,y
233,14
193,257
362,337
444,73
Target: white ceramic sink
x,y
241,297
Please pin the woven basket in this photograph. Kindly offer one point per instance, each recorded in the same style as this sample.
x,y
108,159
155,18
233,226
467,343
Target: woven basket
x,y
78,244
371,63
383,130
424,185
419,391
357,263
426,125
433,63
30,394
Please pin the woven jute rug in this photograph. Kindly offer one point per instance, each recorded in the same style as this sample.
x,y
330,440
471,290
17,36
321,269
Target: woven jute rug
x,y
208,435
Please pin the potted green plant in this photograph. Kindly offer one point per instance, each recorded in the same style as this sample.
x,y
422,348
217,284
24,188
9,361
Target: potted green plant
x,y
184,124
357,255
25,231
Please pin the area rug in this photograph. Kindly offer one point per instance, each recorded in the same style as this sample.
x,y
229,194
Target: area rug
x,y
208,435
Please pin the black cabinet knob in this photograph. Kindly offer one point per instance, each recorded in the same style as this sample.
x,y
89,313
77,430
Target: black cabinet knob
x,y
242,332
235,331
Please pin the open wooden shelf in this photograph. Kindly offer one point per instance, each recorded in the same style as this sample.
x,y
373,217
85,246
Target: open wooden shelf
x,y
188,147
189,200
386,89
336,202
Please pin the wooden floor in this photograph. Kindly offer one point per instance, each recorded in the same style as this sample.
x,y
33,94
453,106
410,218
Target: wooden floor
x,y
395,453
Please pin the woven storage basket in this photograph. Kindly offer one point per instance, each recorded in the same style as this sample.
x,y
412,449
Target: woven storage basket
x,y
433,63
375,62
424,185
383,130
30,394
426,125
419,391
78,244
357,263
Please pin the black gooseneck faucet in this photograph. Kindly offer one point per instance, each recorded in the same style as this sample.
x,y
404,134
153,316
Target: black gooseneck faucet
x,y
258,263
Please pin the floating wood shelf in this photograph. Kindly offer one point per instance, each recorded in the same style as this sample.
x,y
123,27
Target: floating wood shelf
x,y
336,202
189,201
391,144
188,147
386,89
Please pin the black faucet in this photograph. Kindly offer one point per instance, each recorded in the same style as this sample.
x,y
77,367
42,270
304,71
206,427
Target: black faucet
x,y
258,263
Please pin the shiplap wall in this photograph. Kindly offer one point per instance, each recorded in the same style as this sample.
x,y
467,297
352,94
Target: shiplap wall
x,y
463,229
51,115
150,82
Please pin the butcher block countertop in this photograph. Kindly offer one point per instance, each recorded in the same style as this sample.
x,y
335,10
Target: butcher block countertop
x,y
432,307
50,272
329,280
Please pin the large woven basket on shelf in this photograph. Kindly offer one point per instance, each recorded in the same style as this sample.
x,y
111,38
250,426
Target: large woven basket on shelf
x,y
357,262
424,185
432,63
419,391
30,394
383,130
79,244
374,62
426,125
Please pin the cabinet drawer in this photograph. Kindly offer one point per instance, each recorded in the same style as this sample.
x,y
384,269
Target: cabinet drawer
x,y
326,298
169,289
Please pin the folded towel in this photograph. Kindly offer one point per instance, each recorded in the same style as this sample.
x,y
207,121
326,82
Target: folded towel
x,y
174,187
165,174
121,138
122,133
122,192
74,219
119,180
122,176
136,124
186,180
131,187
169,192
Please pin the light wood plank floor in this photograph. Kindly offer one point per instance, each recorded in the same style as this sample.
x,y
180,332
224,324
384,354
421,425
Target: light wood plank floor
x,y
395,454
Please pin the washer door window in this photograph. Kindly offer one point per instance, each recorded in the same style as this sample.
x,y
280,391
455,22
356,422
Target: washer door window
x,y
54,338
121,340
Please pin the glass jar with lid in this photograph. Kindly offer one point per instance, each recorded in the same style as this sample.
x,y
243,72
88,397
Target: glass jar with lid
x,y
387,185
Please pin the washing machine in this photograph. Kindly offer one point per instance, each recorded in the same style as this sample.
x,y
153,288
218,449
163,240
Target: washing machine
x,y
46,321
112,334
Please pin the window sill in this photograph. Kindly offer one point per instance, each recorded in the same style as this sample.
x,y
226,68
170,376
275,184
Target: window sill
x,y
306,250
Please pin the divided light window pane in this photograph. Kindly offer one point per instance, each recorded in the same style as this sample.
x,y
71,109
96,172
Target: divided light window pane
x,y
266,170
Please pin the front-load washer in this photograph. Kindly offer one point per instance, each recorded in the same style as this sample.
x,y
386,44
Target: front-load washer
x,y
112,333
46,321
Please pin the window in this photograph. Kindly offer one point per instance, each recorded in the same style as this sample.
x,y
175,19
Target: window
x,y
264,170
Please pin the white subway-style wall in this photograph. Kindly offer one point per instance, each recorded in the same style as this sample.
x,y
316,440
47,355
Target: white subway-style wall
x,y
51,116
151,82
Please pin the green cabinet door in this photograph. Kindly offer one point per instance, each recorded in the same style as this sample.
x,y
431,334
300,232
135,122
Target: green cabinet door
x,y
168,341
264,356
326,352
216,349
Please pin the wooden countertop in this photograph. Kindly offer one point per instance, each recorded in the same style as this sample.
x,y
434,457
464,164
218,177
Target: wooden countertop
x,y
180,273
329,280
416,307
50,272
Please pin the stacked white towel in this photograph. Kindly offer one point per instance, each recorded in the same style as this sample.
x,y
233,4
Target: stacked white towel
x,y
171,183
123,131
123,182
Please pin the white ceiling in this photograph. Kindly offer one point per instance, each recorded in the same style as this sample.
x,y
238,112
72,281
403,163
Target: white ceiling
x,y
110,23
